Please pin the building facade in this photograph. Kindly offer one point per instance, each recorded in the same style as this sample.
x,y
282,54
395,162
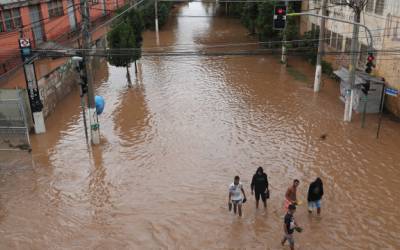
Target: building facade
x,y
41,21
382,17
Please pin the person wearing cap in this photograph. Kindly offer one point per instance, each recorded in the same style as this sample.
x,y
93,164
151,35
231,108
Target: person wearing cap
x,y
289,225
259,186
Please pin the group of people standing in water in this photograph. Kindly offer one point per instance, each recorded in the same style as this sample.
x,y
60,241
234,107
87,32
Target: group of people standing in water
x,y
260,189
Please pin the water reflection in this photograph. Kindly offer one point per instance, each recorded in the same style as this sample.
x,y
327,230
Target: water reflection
x,y
171,144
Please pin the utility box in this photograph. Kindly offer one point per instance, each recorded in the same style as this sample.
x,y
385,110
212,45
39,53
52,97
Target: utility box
x,y
374,97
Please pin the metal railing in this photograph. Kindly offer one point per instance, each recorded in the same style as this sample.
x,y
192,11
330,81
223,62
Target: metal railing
x,y
14,128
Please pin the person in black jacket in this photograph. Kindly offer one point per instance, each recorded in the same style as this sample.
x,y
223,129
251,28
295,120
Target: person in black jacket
x,y
315,193
259,186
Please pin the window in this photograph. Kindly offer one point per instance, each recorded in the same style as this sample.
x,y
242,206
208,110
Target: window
x,y
363,55
347,46
55,8
334,40
94,2
327,37
370,6
10,20
339,46
379,7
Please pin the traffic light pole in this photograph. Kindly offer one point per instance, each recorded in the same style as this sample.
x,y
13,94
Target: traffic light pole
x,y
284,56
156,21
357,24
321,45
93,119
348,110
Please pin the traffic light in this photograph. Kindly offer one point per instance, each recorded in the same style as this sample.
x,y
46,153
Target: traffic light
x,y
280,17
365,87
370,63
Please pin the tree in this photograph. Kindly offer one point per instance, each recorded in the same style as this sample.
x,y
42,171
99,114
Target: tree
x,y
125,41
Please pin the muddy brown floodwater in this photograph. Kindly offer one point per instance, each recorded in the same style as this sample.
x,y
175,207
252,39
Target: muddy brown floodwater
x,y
172,144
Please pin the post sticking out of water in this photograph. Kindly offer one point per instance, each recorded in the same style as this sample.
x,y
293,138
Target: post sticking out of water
x,y
156,22
284,56
318,70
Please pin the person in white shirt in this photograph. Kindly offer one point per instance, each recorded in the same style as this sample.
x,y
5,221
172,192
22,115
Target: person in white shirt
x,y
235,196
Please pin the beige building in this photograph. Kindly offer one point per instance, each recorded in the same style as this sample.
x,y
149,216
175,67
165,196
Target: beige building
x,y
382,17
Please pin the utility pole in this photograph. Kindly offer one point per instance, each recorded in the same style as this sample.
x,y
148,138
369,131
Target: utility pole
x,y
93,119
349,95
284,56
156,21
321,48
32,84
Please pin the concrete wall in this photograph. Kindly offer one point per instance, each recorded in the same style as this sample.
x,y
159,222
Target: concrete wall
x,y
56,85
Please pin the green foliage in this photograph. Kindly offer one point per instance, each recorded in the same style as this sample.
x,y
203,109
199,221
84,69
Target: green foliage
x,y
327,68
249,16
264,23
235,9
310,42
292,26
163,11
127,34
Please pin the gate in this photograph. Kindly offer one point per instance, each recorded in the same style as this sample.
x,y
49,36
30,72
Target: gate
x,y
14,128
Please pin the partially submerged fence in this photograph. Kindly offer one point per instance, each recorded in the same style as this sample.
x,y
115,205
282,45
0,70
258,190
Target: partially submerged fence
x,y
14,127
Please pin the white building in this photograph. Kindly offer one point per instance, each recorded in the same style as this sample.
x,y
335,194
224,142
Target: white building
x,y
382,17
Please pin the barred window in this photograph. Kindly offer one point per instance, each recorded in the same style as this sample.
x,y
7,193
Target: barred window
x,y
55,8
370,6
379,7
10,20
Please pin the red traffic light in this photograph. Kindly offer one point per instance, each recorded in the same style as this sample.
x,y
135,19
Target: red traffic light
x,y
280,10
370,58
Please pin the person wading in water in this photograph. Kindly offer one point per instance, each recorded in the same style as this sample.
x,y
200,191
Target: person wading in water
x,y
291,194
259,186
235,196
315,193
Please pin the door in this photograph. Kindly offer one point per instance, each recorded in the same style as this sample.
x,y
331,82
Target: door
x,y
37,28
71,14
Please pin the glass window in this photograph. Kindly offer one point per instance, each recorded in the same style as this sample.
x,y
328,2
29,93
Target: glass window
x,y
16,18
334,40
379,7
8,20
347,46
55,8
339,46
327,37
363,55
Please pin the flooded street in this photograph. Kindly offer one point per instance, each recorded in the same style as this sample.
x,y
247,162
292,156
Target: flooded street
x,y
172,144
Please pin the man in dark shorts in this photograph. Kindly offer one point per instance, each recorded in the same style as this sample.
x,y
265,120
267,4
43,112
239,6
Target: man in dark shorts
x,y
289,226
259,186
